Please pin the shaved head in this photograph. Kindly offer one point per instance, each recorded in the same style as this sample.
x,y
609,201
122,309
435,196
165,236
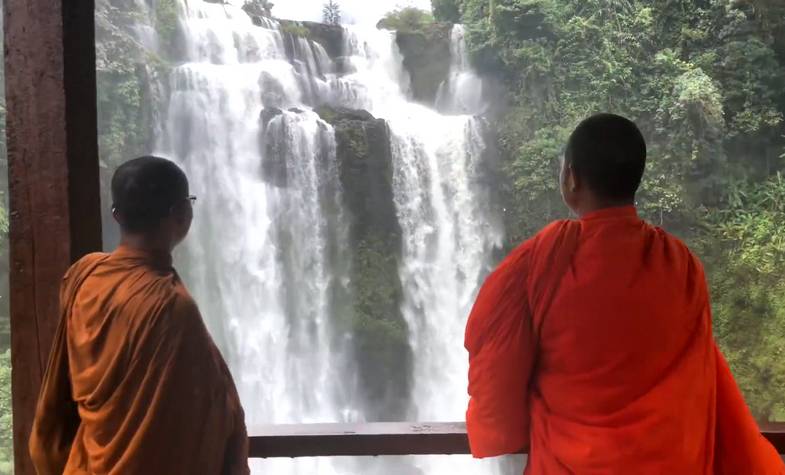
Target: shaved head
x,y
608,152
145,190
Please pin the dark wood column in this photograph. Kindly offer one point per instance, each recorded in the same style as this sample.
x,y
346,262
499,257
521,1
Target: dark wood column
x,y
53,178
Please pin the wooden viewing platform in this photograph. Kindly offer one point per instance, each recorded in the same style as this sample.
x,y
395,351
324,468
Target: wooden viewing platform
x,y
385,438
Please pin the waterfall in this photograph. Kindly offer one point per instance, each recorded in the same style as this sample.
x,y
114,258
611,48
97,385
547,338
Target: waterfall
x,y
267,258
462,92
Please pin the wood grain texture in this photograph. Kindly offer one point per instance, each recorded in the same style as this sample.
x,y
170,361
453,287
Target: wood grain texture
x,y
53,178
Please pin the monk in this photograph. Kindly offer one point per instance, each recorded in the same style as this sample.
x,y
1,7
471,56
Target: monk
x,y
134,383
591,344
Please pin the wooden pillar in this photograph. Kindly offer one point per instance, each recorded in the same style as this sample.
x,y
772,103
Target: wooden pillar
x,y
53,178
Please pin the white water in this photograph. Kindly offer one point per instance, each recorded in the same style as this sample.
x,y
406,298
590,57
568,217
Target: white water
x,y
266,258
462,92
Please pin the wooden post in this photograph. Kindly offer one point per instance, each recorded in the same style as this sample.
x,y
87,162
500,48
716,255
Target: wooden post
x,y
53,178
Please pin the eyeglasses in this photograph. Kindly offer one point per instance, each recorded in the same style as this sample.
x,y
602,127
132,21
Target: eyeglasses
x,y
191,199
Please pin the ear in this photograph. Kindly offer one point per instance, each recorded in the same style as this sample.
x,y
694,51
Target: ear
x,y
116,215
571,181
180,215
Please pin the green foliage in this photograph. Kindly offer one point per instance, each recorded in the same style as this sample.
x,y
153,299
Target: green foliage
x,y
6,418
295,29
406,20
166,21
120,109
749,291
751,224
446,10
705,81
124,70
378,294
380,334
4,223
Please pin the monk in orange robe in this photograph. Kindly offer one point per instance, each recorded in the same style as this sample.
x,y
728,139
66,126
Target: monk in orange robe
x,y
591,344
134,383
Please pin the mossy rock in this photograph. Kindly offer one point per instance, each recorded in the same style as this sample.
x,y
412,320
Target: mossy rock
x,y
329,36
380,333
426,56
365,164
294,29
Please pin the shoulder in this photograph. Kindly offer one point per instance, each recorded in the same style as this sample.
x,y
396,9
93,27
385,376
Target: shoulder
x,y
674,251
183,299
84,264
551,233
557,228
674,243
184,309
554,234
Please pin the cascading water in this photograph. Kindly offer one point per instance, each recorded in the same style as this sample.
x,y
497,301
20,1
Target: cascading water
x,y
267,258
462,92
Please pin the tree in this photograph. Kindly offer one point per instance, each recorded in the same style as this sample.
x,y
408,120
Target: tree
x,y
259,7
446,10
331,13
406,20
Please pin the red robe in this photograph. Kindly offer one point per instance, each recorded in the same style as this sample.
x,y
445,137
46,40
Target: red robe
x,y
591,346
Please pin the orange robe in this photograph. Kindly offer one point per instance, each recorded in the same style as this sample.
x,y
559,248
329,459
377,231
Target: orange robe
x,y
591,346
134,383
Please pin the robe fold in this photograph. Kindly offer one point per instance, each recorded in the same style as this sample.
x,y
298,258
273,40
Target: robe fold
x,y
134,383
591,346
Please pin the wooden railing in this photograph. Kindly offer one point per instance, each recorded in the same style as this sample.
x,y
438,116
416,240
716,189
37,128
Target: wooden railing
x,y
385,438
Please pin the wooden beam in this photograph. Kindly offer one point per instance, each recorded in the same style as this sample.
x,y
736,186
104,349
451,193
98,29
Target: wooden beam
x,y
53,178
381,438
775,433
440,438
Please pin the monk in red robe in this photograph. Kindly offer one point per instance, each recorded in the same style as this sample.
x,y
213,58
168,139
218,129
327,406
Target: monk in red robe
x,y
134,383
591,345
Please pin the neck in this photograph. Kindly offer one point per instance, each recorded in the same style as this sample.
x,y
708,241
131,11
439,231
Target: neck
x,y
597,204
146,242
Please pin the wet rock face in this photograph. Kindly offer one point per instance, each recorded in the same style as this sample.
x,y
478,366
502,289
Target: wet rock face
x,y
426,56
331,37
273,93
255,9
365,165
379,330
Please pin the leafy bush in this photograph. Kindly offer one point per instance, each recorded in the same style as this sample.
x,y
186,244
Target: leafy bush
x,y
749,291
294,29
331,13
6,419
446,10
408,20
167,21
